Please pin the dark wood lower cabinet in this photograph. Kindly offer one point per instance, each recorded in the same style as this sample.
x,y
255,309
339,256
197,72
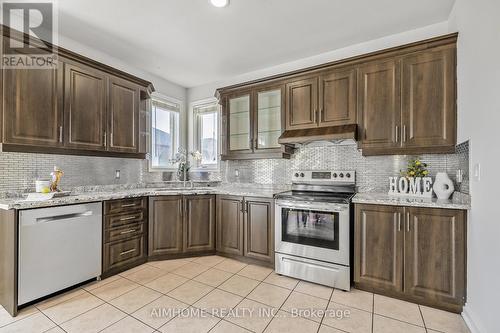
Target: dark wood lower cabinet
x,y
259,229
245,227
165,225
199,223
230,224
378,241
417,254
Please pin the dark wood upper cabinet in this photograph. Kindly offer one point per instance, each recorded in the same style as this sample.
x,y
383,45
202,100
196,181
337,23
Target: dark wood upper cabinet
x,y
33,107
165,225
199,223
230,224
378,242
302,103
84,107
337,97
259,229
435,255
123,119
429,110
379,103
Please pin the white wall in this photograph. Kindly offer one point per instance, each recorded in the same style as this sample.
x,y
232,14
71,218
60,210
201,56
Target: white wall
x,y
478,119
208,90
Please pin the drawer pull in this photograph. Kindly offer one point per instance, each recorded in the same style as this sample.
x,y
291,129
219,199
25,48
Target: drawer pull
x,y
127,252
130,205
127,231
128,218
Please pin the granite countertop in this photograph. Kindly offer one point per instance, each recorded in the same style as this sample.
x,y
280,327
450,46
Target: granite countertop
x,y
94,196
458,201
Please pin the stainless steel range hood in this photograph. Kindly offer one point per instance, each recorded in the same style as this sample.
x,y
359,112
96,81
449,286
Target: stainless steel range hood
x,y
331,134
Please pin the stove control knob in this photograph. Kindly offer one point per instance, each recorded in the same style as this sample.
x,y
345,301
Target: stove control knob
x,y
334,175
296,175
348,175
302,174
341,175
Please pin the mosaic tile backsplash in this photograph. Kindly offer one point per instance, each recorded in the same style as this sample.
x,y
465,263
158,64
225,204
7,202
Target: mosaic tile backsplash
x,y
18,171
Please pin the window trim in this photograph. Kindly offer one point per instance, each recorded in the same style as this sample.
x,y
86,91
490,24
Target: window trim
x,y
194,127
165,99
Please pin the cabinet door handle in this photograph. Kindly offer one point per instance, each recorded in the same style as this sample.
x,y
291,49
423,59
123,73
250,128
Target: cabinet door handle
x,y
127,252
111,139
404,133
127,232
397,133
105,139
399,221
408,221
60,134
242,206
127,218
256,143
129,205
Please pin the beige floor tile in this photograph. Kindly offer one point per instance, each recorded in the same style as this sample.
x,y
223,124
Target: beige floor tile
x,y
56,329
270,295
397,309
231,266
135,299
255,272
6,318
95,320
190,292
209,260
389,325
328,329
146,275
190,270
355,298
227,327
168,265
72,308
305,306
348,319
159,312
252,315
128,325
60,298
166,283
96,284
134,270
114,289
443,321
314,289
218,302
239,285
281,281
190,321
285,322
33,324
213,277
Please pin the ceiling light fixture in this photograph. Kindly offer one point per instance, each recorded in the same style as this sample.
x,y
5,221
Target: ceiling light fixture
x,y
219,3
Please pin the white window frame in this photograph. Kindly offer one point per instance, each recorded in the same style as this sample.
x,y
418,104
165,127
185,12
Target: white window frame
x,y
166,100
194,129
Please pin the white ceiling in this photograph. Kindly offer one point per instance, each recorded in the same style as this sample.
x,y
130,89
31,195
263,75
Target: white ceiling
x,y
191,43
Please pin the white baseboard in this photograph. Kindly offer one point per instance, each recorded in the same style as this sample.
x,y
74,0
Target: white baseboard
x,y
466,314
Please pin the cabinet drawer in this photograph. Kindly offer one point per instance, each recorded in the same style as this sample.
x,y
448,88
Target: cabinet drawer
x,y
129,218
124,232
122,253
123,205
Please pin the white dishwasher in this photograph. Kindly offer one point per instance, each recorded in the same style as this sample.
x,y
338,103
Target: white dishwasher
x,y
59,247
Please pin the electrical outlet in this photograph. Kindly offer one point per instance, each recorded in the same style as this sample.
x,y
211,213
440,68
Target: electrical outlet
x,y
117,174
236,173
476,175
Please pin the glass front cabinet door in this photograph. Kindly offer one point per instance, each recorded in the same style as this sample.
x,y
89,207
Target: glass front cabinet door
x,y
254,121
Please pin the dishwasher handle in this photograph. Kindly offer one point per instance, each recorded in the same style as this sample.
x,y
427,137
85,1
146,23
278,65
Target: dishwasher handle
x,y
63,217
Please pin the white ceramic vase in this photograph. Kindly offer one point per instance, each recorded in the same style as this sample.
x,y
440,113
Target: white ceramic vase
x,y
443,186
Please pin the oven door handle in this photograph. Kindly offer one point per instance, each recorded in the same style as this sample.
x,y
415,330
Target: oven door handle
x,y
312,206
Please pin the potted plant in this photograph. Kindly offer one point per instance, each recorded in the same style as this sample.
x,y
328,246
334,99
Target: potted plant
x,y
182,158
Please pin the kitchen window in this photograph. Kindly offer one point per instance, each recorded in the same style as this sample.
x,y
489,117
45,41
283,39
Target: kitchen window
x,y
164,132
205,128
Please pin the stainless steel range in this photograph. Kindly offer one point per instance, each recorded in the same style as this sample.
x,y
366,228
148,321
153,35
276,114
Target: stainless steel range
x,y
313,228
